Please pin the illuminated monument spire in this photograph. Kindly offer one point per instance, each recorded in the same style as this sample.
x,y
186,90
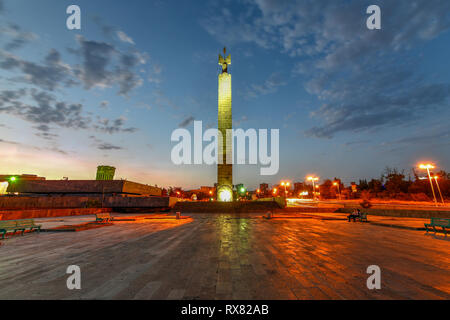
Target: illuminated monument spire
x,y
224,167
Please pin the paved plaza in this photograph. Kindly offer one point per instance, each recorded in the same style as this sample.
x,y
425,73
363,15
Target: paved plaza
x,y
226,256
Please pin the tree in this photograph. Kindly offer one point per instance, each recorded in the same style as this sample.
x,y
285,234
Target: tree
x,y
363,185
394,181
375,186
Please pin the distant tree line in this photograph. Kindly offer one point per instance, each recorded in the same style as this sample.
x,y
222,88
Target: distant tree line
x,y
393,184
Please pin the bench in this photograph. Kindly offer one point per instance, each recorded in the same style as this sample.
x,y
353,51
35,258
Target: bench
x,y
362,217
103,217
6,226
18,225
438,222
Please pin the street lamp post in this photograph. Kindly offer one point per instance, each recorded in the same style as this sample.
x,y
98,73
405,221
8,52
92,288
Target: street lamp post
x,y
339,190
428,167
285,184
439,189
314,187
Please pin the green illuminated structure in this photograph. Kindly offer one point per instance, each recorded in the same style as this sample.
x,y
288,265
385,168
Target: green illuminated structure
x,y
224,169
105,173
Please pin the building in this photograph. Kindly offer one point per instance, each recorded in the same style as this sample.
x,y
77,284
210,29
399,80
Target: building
x,y
224,169
6,179
82,188
299,187
105,173
263,189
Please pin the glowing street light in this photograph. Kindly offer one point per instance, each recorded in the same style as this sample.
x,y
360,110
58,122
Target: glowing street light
x,y
439,189
313,179
285,185
429,166
12,179
336,184
274,191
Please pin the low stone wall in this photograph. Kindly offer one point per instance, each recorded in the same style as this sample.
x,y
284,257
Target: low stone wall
x,y
50,202
66,202
226,207
306,210
45,213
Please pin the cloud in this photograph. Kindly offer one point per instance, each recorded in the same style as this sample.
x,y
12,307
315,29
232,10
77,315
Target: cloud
x,y
155,74
353,72
96,57
57,149
425,137
44,132
104,104
8,142
105,65
49,75
391,96
124,37
18,38
104,146
231,27
112,126
45,110
270,85
336,29
186,122
108,146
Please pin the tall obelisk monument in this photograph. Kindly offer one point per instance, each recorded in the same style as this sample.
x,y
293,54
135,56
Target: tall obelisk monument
x,y
224,169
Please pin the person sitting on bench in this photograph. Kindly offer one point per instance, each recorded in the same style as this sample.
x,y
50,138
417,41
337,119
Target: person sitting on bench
x,y
355,214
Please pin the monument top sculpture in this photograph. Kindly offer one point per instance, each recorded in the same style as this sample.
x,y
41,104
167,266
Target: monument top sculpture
x,y
224,62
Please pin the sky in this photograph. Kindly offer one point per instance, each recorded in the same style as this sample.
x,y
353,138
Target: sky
x,y
348,101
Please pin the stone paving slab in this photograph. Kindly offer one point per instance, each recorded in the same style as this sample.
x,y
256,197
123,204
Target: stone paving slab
x,y
227,257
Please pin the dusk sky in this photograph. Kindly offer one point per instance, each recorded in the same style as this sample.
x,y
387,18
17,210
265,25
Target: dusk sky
x,y
348,101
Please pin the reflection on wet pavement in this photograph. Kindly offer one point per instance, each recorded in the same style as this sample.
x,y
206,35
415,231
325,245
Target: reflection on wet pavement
x,y
226,256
